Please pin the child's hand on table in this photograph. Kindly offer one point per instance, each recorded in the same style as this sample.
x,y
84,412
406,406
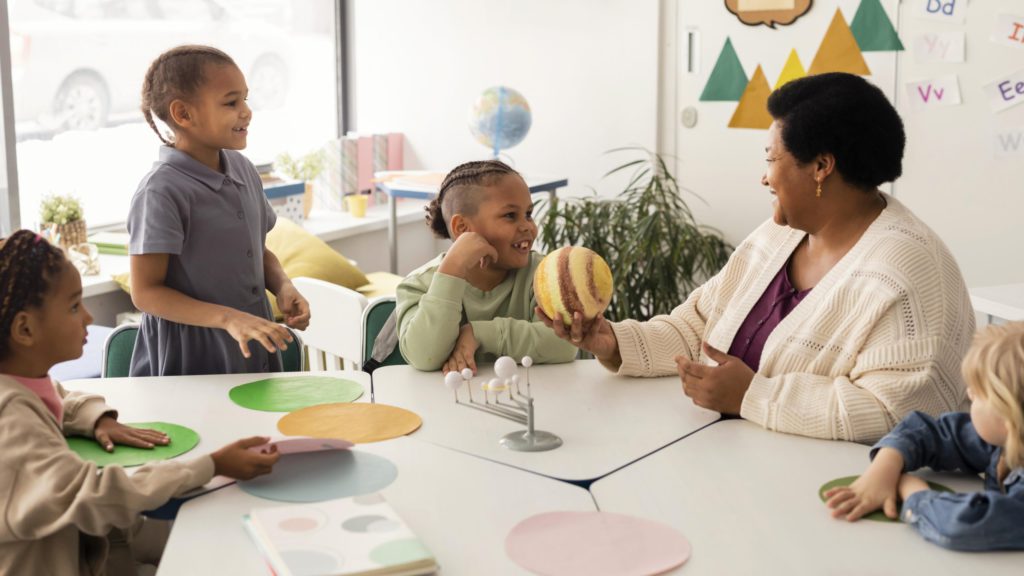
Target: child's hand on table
x,y
109,431
463,354
244,327
876,488
236,460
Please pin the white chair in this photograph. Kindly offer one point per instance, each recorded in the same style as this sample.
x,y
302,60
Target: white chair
x,y
334,335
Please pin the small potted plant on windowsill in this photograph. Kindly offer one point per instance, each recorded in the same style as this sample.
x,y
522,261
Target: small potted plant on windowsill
x,y
306,169
61,217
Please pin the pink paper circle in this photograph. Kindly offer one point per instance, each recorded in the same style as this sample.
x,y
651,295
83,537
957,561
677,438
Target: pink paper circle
x,y
595,544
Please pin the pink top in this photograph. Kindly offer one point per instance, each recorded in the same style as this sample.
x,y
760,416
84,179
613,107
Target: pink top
x,y
47,392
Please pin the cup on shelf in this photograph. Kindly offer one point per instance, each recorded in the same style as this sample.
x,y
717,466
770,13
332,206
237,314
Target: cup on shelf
x,y
357,204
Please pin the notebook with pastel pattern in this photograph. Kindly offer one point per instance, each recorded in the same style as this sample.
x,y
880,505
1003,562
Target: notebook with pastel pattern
x,y
350,536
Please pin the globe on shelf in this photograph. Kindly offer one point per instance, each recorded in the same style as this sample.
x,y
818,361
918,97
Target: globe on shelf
x,y
500,118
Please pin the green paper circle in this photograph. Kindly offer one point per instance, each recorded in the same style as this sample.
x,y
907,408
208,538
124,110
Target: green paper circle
x,y
182,440
290,393
877,515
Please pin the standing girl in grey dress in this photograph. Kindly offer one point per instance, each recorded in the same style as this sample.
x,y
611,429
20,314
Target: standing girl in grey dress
x,y
198,223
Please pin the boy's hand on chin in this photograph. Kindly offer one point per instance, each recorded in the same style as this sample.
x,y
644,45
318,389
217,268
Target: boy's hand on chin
x,y
469,251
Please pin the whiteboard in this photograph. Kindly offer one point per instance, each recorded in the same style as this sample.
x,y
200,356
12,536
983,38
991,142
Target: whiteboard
x,y
951,179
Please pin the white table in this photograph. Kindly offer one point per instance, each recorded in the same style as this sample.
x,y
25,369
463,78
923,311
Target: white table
x,y
1005,302
606,421
461,507
198,402
748,501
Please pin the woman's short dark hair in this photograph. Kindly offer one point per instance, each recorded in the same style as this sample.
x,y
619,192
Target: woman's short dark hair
x,y
846,116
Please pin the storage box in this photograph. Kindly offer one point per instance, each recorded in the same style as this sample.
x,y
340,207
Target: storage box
x,y
288,198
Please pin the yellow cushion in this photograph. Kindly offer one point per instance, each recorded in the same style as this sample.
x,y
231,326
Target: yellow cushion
x,y
304,255
380,284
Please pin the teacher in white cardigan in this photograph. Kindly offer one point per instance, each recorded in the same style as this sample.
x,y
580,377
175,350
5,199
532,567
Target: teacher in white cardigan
x,y
839,315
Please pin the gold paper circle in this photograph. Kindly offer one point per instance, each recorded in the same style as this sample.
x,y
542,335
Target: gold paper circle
x,y
358,423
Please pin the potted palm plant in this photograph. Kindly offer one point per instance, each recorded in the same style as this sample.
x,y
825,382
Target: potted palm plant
x,y
657,251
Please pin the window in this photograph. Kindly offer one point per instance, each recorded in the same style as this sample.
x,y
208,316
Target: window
x,y
77,68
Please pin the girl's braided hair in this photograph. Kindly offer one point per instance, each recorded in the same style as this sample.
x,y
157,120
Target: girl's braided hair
x,y
454,195
27,265
176,75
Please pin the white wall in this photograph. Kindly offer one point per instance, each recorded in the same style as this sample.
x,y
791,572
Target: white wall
x,y
951,180
724,165
416,245
589,70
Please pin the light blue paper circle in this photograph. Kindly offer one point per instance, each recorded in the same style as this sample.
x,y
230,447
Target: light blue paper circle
x,y
319,476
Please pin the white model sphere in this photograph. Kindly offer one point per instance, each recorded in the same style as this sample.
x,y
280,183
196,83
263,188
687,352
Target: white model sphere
x,y
467,374
527,361
505,367
453,380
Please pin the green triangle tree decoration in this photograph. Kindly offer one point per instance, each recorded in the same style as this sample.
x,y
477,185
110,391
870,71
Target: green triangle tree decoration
x,y
873,30
727,81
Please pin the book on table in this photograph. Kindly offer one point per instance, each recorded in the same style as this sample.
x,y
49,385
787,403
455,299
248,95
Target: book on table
x,y
350,536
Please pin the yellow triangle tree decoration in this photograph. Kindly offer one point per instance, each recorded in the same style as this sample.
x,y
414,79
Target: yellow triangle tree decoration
x,y
752,111
791,71
839,51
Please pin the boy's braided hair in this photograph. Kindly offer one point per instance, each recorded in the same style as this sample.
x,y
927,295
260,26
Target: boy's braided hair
x,y
453,197
176,75
27,265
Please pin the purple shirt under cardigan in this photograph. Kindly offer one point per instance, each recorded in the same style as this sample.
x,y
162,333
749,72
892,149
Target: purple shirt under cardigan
x,y
776,303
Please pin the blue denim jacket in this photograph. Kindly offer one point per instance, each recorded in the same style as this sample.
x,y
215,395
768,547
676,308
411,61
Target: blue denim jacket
x,y
989,520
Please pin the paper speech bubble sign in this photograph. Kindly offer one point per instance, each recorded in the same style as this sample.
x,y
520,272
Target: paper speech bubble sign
x,y
768,12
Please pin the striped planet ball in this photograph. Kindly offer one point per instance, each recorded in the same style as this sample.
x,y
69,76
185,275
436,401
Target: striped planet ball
x,y
573,279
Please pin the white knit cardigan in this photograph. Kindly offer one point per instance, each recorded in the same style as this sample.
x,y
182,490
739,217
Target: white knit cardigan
x,y
882,334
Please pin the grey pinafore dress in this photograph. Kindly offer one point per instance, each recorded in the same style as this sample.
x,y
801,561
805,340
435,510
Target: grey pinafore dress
x,y
213,226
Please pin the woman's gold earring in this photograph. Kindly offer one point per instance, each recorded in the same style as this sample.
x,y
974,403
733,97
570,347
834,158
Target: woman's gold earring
x,y
818,191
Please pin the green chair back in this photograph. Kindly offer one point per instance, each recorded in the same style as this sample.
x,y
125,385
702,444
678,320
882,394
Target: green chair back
x,y
374,317
292,358
117,351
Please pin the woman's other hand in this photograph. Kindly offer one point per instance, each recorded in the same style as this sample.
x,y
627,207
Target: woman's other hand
x,y
720,388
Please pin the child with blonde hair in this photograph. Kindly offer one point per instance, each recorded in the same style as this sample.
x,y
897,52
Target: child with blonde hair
x,y
989,440
475,301
58,509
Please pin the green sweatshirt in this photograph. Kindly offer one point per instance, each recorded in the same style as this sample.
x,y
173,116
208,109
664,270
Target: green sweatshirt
x,y
433,306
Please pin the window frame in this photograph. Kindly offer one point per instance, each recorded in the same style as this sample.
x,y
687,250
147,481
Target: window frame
x,y
10,205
